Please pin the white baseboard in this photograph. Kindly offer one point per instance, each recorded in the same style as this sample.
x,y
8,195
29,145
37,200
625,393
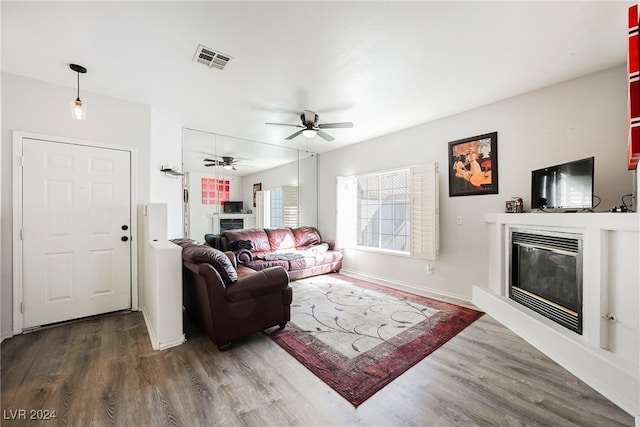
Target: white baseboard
x,y
410,287
615,379
152,333
155,344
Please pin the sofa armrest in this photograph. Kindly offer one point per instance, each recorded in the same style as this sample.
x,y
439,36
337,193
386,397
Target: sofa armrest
x,y
263,282
331,243
244,256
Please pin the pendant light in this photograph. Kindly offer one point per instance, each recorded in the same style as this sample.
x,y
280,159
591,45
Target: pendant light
x,y
78,108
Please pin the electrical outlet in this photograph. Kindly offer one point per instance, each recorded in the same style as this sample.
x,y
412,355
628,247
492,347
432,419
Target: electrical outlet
x,y
429,269
459,220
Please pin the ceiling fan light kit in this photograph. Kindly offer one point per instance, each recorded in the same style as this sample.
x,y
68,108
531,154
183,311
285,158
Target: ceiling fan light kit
x,y
310,126
227,163
309,133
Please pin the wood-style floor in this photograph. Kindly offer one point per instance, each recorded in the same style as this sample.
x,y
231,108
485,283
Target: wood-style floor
x,y
103,372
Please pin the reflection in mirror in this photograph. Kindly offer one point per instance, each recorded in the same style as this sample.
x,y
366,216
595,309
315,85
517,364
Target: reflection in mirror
x,y
236,183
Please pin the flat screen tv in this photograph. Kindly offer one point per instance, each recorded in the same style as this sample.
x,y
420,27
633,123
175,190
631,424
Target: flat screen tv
x,y
232,207
568,186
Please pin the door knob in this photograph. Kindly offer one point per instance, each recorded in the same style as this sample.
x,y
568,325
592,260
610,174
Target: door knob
x,y
124,238
125,227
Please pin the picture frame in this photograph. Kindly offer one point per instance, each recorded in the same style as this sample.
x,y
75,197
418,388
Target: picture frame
x,y
256,187
473,165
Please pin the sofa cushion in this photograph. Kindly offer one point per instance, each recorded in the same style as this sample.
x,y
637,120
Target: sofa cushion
x,y
281,239
197,254
306,236
260,264
311,260
257,236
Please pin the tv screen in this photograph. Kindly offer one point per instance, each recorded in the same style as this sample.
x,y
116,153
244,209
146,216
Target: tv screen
x,y
565,186
232,207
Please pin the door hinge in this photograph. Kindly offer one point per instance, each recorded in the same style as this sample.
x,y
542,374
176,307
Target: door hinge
x,y
21,234
21,307
21,161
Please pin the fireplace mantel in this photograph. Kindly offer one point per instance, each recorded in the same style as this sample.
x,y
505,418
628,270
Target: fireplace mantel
x,y
214,220
606,355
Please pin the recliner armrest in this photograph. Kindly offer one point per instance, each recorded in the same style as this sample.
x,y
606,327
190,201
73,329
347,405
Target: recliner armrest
x,y
263,282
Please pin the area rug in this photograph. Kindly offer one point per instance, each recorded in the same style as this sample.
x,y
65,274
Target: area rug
x,y
358,337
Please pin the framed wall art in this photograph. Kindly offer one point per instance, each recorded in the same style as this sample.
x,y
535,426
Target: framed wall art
x,y
473,165
256,187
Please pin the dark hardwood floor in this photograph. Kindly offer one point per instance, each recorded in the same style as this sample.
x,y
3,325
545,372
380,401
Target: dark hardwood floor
x,y
103,372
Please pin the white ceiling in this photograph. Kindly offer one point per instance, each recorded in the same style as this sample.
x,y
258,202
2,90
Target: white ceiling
x,y
385,66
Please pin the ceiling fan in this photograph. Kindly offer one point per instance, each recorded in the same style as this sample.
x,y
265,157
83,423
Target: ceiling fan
x,y
227,162
310,126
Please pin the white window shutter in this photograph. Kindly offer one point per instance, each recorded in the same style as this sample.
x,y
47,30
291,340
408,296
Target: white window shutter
x,y
260,209
425,221
346,211
290,209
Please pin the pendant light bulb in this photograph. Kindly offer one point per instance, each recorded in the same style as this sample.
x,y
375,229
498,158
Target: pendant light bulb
x,y
78,108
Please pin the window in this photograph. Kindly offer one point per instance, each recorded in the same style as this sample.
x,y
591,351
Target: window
x,y
275,207
393,211
384,214
278,207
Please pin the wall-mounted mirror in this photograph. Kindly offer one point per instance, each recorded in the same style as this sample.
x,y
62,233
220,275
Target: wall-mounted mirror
x,y
236,183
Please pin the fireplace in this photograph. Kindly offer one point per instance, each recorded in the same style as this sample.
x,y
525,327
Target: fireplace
x,y
231,224
546,274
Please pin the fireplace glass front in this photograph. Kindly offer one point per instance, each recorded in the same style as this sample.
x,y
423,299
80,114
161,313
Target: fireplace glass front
x,y
546,274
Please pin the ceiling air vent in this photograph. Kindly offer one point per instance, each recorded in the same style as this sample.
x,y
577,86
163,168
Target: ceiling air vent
x,y
211,58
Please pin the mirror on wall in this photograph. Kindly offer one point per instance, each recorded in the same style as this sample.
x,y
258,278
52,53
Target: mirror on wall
x,y
226,179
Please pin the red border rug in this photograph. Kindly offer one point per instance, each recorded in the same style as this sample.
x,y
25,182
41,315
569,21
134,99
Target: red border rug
x,y
365,356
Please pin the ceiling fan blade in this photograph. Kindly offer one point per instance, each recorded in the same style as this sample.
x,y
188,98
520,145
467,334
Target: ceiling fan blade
x,y
325,135
210,164
209,160
335,125
284,124
295,134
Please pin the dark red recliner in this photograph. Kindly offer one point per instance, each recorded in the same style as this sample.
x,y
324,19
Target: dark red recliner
x,y
230,308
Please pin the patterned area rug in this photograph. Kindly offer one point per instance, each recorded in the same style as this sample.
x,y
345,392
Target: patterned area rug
x,y
358,337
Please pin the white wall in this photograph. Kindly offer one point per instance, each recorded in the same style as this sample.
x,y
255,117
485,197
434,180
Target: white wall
x,y
166,149
35,106
569,121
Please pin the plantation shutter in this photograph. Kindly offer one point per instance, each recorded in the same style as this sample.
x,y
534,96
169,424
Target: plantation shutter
x,y
425,221
290,209
260,209
346,211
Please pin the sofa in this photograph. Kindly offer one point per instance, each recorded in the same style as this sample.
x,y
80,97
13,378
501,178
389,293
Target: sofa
x,y
230,306
300,250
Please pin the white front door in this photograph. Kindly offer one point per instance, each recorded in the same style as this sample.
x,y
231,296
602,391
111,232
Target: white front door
x,y
76,231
